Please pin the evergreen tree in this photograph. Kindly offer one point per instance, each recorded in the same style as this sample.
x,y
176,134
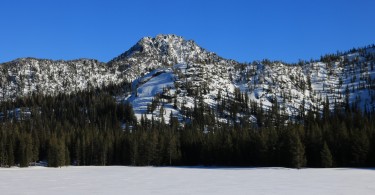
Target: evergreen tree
x,y
173,149
56,153
297,151
326,157
25,150
359,148
10,152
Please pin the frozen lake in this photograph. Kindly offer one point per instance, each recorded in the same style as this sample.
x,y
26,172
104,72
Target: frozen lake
x,y
185,180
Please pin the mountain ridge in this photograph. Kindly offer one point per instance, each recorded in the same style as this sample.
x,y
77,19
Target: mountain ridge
x,y
189,71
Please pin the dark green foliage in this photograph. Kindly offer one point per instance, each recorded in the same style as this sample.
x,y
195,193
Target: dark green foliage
x,y
56,153
359,148
297,152
25,150
326,157
85,129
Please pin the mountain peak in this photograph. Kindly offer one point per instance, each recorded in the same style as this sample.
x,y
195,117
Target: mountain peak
x,y
162,43
164,37
166,49
163,50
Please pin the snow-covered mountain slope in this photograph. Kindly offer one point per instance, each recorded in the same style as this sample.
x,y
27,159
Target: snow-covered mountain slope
x,y
294,88
25,76
345,78
169,75
148,90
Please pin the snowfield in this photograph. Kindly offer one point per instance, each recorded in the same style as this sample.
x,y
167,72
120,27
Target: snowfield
x,y
185,180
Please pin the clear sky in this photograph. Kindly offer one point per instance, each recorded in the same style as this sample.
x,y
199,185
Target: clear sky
x,y
243,30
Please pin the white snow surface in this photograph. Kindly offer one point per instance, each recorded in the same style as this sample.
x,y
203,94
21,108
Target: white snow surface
x,y
185,180
147,88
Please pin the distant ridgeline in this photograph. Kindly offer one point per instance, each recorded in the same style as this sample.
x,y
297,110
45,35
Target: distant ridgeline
x,y
167,101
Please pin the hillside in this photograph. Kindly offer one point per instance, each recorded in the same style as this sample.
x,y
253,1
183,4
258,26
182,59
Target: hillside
x,y
166,101
170,74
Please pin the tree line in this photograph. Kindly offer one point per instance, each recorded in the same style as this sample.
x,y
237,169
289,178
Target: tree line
x,y
91,128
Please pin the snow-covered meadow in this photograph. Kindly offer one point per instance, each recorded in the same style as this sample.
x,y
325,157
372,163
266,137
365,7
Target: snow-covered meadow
x,y
185,180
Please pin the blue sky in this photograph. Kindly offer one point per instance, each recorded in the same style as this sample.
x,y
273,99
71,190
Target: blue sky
x,y
244,30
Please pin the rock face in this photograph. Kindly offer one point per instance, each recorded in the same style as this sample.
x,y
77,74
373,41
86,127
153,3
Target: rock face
x,y
162,51
178,71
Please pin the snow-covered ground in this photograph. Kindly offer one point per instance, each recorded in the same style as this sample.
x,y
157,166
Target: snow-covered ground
x,y
185,180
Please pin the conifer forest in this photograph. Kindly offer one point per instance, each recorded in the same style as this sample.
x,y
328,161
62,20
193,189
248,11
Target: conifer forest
x,y
91,128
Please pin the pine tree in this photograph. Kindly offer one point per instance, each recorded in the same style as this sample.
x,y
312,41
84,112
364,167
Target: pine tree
x,y
67,156
173,149
3,156
134,151
25,150
10,159
359,148
35,148
56,153
297,152
326,156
